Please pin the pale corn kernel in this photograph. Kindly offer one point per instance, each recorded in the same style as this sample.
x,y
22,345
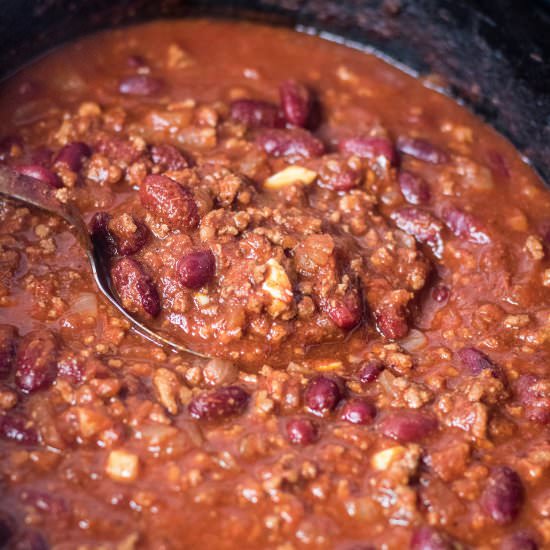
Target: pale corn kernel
x,y
328,366
122,466
290,175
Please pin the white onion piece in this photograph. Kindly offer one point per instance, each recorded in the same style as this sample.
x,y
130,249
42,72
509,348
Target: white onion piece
x,y
85,304
414,341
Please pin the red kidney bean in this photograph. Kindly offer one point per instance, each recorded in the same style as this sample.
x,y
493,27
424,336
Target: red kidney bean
x,y
290,143
296,101
129,235
421,150
13,427
338,176
476,362
422,225
370,148
391,321
503,495
301,431
101,236
464,225
36,361
440,293
428,538
322,394
135,288
414,188
8,347
345,312
196,268
140,85
534,395
169,157
358,411
72,155
256,114
40,173
519,541
170,202
407,426
370,371
219,403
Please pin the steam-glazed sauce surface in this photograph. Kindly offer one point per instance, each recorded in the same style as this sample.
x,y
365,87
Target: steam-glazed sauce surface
x,y
365,261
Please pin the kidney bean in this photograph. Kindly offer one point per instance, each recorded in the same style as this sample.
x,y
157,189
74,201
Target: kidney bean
x,y
170,202
290,143
464,225
476,362
338,175
322,394
428,538
519,541
256,114
503,495
72,155
358,411
40,173
414,188
301,431
370,371
8,347
196,268
421,150
36,361
135,288
31,540
102,238
296,101
440,293
41,156
219,403
13,427
345,312
391,321
370,148
129,235
407,426
169,157
422,225
140,85
534,395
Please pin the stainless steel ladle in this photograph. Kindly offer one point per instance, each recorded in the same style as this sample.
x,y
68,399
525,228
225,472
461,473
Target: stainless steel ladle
x,y
41,195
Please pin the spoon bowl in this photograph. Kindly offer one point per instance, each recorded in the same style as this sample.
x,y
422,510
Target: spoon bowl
x,y
41,195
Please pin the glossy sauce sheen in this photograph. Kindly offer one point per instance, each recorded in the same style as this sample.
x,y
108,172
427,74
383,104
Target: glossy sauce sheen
x,y
380,314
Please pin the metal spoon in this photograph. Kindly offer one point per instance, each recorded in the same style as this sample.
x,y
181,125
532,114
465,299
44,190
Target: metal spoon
x,y
41,195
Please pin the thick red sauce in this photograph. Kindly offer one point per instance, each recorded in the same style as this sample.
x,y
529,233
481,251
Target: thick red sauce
x,y
366,261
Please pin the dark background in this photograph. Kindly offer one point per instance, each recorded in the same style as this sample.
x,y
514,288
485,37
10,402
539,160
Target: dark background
x,y
494,54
